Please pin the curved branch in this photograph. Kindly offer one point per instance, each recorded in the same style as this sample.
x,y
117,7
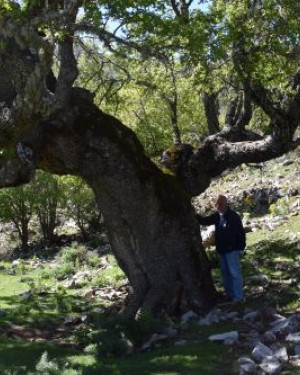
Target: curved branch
x,y
226,149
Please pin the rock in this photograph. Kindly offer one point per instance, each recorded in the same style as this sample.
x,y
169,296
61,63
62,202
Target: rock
x,y
271,365
247,366
11,272
279,326
70,319
180,343
293,337
232,315
280,352
268,337
212,317
15,263
251,316
292,192
170,332
260,352
287,162
295,360
253,338
154,339
26,295
69,284
188,316
84,317
232,336
259,279
89,295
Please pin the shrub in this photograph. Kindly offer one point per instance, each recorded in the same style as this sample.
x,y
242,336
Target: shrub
x,y
63,271
75,254
93,260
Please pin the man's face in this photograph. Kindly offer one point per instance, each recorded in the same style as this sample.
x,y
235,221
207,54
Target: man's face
x,y
221,205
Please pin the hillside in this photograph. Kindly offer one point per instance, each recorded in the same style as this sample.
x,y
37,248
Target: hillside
x,y
63,304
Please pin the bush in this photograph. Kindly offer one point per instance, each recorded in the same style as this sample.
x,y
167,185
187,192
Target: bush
x,y
63,271
75,254
93,260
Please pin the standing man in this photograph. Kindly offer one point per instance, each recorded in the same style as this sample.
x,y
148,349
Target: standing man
x,y
230,242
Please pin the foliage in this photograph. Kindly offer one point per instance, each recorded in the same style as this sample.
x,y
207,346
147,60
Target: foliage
x,y
80,205
74,254
280,207
47,367
16,205
63,271
48,196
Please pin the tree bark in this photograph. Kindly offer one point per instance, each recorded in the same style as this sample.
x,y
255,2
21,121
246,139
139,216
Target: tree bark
x,y
152,226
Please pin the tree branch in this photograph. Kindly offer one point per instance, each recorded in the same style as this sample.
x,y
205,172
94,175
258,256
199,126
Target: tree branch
x,y
68,71
108,37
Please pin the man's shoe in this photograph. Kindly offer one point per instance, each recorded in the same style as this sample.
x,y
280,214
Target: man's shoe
x,y
224,299
239,301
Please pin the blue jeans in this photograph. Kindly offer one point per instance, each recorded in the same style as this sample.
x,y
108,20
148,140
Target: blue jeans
x,y
232,274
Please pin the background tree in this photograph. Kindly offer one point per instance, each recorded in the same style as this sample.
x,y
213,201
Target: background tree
x,y
16,205
80,205
46,190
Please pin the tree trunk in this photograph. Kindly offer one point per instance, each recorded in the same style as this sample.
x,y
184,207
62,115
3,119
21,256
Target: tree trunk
x,y
152,227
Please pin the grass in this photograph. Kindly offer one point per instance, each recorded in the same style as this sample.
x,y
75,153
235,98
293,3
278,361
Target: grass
x,y
271,253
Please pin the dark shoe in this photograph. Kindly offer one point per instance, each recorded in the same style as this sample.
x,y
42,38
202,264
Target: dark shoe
x,y
224,299
239,301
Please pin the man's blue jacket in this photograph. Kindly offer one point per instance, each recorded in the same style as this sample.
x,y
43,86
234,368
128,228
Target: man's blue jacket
x,y
230,234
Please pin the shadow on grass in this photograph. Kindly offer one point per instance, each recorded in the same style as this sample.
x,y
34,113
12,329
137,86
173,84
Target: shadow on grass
x,y
192,359
40,311
18,356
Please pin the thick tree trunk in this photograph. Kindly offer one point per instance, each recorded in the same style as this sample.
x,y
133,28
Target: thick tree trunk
x,y
152,226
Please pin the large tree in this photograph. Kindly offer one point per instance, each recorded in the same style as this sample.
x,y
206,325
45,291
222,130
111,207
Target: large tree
x,y
47,123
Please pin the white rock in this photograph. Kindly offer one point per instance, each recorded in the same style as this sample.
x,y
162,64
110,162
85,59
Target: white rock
x,y
251,316
261,279
26,295
260,352
295,360
247,366
212,317
170,332
293,337
232,315
188,316
180,343
232,335
153,339
281,353
271,365
279,326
